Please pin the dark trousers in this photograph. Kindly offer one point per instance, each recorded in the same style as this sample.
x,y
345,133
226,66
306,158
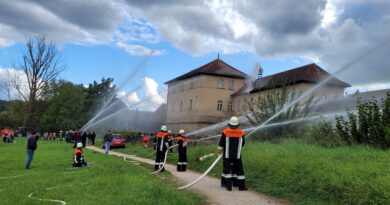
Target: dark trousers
x,y
30,156
160,157
232,174
182,163
170,145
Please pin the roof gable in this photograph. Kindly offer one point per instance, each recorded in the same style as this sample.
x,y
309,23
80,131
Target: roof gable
x,y
216,67
310,73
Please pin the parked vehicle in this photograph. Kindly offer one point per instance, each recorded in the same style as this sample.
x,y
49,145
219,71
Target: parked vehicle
x,y
117,141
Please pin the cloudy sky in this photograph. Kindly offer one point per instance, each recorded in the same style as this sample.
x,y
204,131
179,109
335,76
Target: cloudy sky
x,y
163,39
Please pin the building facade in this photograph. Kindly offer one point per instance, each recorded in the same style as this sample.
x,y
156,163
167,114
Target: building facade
x,y
215,91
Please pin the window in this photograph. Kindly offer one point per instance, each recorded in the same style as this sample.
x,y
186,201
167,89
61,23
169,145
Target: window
x,y
181,106
230,106
181,87
221,84
191,104
219,105
192,84
239,105
173,107
231,85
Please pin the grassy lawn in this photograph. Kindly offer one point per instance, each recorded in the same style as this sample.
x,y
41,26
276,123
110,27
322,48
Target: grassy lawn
x,y
109,181
305,174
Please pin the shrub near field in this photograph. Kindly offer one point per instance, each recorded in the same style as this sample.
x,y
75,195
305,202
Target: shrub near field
x,y
305,174
109,181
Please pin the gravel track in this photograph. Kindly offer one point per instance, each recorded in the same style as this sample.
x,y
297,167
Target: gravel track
x,y
209,187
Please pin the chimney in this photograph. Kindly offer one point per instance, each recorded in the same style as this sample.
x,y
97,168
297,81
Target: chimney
x,y
260,73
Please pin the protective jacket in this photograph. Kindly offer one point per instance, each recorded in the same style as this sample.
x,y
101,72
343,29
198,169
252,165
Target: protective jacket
x,y
182,149
161,146
231,142
78,158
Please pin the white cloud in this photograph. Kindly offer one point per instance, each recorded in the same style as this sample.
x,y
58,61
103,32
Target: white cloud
x,y
121,94
330,14
330,32
150,88
7,88
91,22
150,98
138,50
132,99
5,43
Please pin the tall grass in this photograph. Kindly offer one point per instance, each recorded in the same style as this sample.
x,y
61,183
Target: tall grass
x,y
109,181
306,174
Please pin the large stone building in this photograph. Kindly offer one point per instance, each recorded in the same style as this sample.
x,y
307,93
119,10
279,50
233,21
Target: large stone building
x,y
216,91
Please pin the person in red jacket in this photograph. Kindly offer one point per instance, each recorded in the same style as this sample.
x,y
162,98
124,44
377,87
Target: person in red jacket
x,y
230,144
182,149
145,140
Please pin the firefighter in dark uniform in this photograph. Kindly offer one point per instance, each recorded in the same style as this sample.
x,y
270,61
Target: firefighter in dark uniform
x,y
170,140
230,144
161,146
182,149
78,157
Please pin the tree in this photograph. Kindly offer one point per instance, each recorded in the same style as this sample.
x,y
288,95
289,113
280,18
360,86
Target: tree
x,y
97,95
272,102
41,63
65,109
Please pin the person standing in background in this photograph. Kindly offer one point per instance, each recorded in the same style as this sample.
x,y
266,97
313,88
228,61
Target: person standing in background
x,y
107,141
93,136
31,147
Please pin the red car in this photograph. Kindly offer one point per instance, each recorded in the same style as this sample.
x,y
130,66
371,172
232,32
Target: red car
x,y
117,141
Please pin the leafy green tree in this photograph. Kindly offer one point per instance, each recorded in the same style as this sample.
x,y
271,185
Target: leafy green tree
x,y
66,108
97,95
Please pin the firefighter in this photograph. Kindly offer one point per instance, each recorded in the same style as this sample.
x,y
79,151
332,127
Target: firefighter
x,y
182,149
161,147
170,140
78,157
230,145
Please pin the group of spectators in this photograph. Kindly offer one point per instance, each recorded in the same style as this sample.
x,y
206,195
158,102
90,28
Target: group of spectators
x,y
7,135
80,136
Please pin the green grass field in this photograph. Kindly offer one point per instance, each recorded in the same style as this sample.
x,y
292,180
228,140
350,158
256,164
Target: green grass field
x,y
305,174
110,180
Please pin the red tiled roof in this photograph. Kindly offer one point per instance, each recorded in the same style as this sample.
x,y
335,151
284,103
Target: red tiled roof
x,y
216,67
310,73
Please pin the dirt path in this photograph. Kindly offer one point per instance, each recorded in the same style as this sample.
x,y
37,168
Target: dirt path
x,y
208,186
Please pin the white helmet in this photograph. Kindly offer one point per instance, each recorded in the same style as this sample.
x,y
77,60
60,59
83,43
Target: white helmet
x,y
79,145
164,128
181,132
169,131
233,121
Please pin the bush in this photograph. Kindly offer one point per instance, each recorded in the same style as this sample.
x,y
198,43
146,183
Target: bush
x,y
368,125
322,133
